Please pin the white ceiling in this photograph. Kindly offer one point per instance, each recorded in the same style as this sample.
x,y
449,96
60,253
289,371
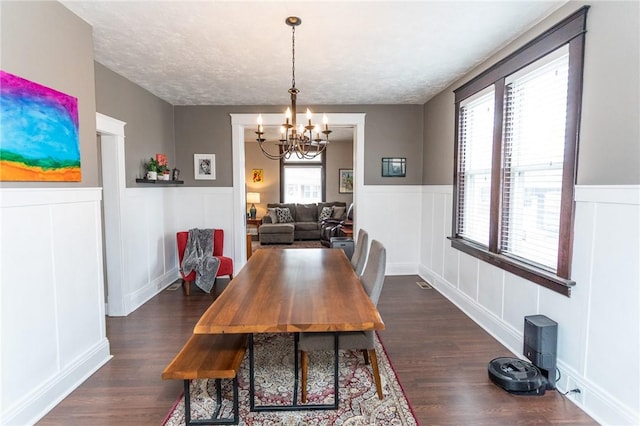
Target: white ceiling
x,y
347,52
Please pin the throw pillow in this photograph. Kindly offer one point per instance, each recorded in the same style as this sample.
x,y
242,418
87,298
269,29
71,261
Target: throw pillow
x,y
271,212
325,213
284,215
338,212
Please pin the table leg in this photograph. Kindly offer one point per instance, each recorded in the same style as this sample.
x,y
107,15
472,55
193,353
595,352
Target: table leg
x,y
294,405
252,388
296,367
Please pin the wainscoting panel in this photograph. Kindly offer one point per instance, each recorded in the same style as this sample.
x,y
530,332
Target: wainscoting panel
x,y
51,298
392,215
198,207
599,325
153,216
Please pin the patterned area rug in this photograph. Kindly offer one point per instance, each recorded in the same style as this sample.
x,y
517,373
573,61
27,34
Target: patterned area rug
x,y
358,403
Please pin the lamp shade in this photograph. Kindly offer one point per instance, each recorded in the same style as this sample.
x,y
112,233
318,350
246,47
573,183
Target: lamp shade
x,y
253,197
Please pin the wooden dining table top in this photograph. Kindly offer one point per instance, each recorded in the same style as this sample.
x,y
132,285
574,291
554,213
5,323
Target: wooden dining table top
x,y
292,290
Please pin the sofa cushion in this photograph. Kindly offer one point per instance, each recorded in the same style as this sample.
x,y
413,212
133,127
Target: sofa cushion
x,y
284,215
277,228
307,226
306,213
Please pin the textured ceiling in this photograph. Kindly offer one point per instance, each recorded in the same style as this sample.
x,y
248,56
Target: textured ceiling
x,y
347,52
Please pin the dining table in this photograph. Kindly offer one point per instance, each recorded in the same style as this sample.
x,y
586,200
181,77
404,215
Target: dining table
x,y
292,291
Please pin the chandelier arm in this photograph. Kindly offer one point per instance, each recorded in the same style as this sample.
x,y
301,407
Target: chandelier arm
x,y
270,155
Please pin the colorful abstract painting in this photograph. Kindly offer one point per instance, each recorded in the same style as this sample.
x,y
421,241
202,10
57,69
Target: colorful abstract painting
x,y
38,132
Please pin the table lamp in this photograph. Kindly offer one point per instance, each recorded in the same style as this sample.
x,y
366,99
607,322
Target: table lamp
x,y
253,197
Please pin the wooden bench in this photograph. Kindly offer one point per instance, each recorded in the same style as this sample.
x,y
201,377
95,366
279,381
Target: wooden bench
x,y
209,356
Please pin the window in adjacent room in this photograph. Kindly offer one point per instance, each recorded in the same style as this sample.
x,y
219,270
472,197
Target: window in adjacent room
x,y
302,180
515,161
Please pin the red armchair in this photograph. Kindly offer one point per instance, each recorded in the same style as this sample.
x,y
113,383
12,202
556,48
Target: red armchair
x,y
226,263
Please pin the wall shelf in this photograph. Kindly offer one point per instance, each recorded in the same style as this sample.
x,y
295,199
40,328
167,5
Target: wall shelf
x,y
160,182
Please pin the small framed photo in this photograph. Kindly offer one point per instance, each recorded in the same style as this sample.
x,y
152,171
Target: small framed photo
x,y
394,167
257,175
345,181
204,166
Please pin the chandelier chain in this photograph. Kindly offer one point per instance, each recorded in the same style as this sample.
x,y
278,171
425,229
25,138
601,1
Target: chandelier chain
x,y
293,57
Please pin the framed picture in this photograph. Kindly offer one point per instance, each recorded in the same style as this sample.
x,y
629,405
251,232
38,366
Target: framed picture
x,y
345,181
39,132
204,166
256,175
394,167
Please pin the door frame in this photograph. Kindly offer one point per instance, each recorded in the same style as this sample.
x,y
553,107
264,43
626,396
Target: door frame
x,y
238,124
112,139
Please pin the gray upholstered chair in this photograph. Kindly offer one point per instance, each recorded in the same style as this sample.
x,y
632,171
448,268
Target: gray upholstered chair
x,y
359,256
372,280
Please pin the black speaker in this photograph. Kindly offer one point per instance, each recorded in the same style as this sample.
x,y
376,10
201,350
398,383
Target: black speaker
x,y
541,345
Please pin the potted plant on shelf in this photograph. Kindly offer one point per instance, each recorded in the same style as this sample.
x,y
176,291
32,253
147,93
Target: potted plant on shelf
x,y
163,172
152,167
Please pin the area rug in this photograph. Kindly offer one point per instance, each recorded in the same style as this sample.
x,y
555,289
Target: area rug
x,y
255,245
358,400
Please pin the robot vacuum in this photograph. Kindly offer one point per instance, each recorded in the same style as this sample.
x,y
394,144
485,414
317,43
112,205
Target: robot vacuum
x,y
517,376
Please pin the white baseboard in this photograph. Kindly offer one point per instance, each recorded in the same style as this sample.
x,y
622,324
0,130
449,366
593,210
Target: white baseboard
x,y
35,405
140,297
401,269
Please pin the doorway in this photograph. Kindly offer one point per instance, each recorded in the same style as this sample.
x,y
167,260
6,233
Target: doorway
x,y
238,124
111,135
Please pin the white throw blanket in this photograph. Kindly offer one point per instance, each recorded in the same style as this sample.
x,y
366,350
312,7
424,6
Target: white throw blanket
x,y
198,256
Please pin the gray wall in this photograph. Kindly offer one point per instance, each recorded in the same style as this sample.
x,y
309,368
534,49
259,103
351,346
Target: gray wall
x,y
149,119
437,157
269,189
204,130
339,156
390,131
45,43
609,151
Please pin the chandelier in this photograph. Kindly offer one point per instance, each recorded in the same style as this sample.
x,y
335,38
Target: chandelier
x,y
305,142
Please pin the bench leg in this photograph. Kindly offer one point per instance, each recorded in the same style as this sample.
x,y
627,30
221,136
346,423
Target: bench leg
x,y
236,402
187,402
214,420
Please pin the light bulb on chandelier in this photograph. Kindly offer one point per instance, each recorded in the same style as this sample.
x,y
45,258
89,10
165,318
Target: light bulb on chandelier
x,y
299,141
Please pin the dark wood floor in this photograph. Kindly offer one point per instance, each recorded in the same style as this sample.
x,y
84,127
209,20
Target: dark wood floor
x,y
440,356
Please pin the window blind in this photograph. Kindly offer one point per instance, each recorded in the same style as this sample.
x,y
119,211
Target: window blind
x,y
533,157
474,180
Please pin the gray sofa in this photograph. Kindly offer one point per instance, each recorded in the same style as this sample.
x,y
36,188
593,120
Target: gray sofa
x,y
303,224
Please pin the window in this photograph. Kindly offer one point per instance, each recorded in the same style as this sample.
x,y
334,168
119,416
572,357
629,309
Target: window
x,y
533,160
515,161
474,190
302,180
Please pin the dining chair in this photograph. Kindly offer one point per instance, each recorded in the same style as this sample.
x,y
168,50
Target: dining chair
x,y
372,280
359,256
226,263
